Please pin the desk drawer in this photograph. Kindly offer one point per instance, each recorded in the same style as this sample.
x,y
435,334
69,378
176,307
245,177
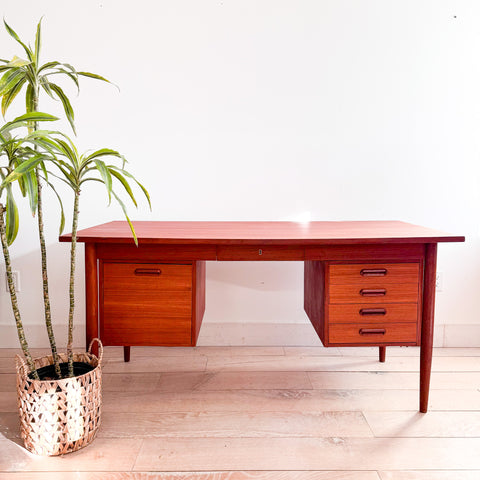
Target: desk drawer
x,y
372,333
374,293
146,304
260,252
365,275
380,313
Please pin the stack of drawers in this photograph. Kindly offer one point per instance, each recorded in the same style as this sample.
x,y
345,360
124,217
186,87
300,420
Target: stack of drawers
x,y
373,304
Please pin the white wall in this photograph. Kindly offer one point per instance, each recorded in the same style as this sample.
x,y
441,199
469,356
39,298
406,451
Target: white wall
x,y
271,110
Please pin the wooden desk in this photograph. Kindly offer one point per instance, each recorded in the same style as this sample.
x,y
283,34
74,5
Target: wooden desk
x,y
365,283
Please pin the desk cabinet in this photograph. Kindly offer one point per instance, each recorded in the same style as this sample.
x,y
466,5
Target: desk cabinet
x,y
374,303
154,303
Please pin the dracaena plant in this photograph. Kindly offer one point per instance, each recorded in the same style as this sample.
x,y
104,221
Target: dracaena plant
x,y
30,75
17,154
105,166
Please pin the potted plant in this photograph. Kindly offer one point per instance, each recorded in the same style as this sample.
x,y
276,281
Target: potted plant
x,y
31,75
60,394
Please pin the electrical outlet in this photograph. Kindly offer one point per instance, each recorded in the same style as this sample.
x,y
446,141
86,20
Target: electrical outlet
x,y
439,282
16,281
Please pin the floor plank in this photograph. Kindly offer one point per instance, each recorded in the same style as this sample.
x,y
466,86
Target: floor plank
x,y
311,363
286,400
395,380
431,475
309,454
251,475
415,424
116,454
157,364
234,424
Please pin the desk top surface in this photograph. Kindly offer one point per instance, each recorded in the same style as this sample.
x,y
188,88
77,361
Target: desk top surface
x,y
249,233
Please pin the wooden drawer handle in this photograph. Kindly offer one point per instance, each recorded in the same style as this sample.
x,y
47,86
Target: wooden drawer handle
x,y
148,271
372,331
373,292
373,272
372,311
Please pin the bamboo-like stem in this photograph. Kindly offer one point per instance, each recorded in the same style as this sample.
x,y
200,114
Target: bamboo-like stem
x,y
72,282
43,252
46,297
13,295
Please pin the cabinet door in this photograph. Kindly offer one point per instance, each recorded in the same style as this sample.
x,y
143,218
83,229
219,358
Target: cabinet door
x,y
146,304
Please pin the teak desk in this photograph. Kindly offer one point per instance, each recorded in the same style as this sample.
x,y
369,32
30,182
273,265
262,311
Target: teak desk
x,y
365,283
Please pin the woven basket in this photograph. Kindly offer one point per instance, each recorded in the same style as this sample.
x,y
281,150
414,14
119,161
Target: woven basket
x,y
60,416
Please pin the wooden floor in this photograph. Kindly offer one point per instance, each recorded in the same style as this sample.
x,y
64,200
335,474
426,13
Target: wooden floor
x,y
265,413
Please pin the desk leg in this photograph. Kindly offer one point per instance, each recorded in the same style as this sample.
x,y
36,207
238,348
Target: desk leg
x,y
427,323
381,354
91,295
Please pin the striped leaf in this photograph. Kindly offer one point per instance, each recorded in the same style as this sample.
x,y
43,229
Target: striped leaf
x,y
17,62
106,177
25,167
125,184
10,79
38,42
13,34
12,217
8,98
126,217
66,104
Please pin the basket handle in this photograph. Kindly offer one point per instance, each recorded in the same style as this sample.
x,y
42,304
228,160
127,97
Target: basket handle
x,y
20,364
100,349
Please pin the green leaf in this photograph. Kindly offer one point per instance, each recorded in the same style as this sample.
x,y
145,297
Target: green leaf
x,y
17,38
62,212
17,62
12,217
125,184
126,217
67,149
66,104
38,42
106,177
10,79
72,76
103,152
45,84
94,75
144,190
25,167
48,65
31,187
8,98
29,98
23,120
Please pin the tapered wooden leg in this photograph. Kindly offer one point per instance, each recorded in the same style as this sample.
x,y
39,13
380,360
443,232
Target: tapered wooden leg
x,y
427,323
91,296
382,351
126,354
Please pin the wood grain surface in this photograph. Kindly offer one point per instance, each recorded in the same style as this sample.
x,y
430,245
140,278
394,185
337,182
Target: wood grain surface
x,y
224,233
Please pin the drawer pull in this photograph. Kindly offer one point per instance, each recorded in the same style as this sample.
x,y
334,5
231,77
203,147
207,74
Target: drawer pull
x,y
372,311
373,292
373,272
148,271
372,331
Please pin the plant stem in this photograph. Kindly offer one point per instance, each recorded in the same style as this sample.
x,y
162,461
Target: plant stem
x,y
43,251
72,282
46,297
13,295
